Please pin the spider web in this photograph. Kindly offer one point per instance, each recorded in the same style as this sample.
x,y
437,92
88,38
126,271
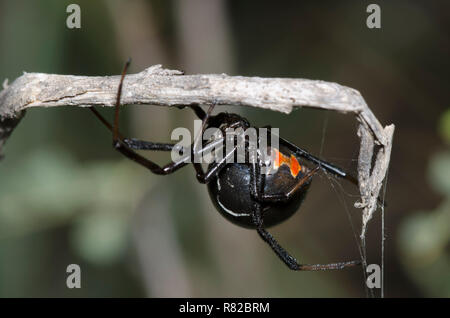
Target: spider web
x,y
341,193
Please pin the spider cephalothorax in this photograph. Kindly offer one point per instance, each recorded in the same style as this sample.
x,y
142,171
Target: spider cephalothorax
x,y
255,193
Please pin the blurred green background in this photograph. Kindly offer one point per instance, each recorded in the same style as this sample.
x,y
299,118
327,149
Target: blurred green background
x,y
67,197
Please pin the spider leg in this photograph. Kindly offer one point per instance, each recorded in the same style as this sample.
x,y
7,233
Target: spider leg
x,y
285,196
322,163
205,119
120,145
213,169
134,143
148,145
152,166
196,148
197,110
257,180
138,144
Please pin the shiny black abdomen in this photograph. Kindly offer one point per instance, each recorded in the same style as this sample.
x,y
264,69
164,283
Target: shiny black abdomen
x,y
231,195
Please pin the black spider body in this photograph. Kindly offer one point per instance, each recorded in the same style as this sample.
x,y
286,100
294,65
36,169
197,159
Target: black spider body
x,y
230,192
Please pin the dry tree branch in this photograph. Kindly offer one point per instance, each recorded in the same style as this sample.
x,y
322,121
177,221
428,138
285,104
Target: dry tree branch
x,y
158,86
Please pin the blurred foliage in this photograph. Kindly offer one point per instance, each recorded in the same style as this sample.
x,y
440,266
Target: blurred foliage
x,y
444,126
425,237
52,189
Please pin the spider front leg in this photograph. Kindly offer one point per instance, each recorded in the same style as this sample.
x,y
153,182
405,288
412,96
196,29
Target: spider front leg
x,y
257,183
125,146
137,144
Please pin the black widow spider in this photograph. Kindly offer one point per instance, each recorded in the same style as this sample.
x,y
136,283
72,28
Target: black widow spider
x,y
240,191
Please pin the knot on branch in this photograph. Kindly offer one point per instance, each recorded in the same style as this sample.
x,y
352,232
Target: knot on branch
x,y
159,70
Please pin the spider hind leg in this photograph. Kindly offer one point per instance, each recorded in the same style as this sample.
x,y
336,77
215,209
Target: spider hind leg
x,y
257,181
